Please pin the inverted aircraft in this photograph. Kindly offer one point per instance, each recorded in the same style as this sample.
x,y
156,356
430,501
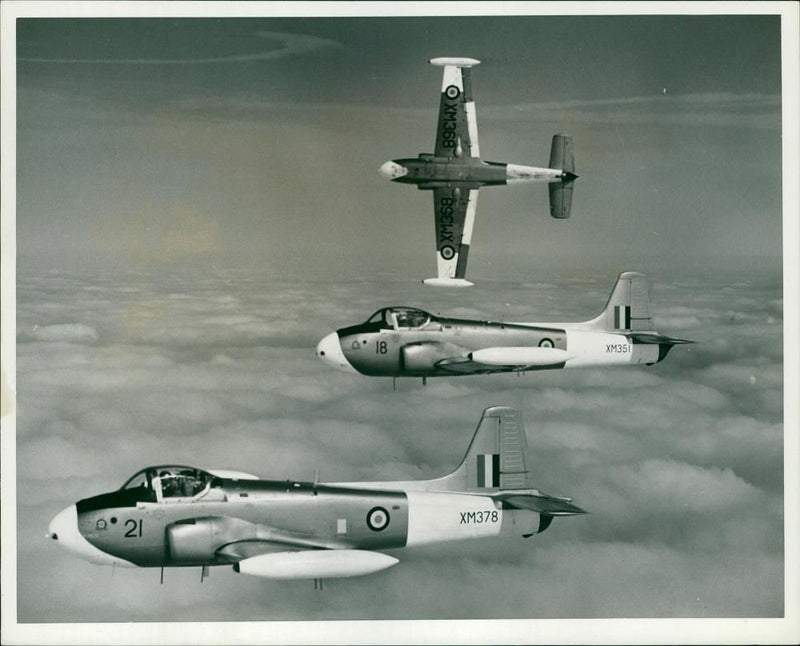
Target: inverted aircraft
x,y
455,173
180,516
409,342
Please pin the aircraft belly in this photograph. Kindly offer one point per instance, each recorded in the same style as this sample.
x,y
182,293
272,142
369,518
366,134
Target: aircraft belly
x,y
437,517
601,348
517,522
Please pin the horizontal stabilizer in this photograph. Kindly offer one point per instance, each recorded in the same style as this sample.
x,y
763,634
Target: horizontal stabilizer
x,y
447,282
520,356
655,339
561,199
315,564
542,504
562,157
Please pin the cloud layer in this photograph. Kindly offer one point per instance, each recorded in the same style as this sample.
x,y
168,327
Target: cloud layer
x,y
679,464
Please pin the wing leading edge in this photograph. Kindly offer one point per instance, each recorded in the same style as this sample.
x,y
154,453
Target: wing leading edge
x,y
454,211
457,130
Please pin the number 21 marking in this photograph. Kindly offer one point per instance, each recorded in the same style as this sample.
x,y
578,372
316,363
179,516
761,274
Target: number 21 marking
x,y
134,528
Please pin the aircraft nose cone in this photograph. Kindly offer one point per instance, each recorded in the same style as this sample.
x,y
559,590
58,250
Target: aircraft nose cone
x,y
392,170
329,350
64,529
64,526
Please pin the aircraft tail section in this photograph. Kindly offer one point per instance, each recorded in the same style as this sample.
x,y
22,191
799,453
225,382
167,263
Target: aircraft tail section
x,y
497,457
628,306
562,157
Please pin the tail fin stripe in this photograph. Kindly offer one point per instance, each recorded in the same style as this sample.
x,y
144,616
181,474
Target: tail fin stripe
x,y
622,317
488,470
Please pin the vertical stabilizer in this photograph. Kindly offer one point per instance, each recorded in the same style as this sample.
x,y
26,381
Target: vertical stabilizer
x,y
497,457
628,306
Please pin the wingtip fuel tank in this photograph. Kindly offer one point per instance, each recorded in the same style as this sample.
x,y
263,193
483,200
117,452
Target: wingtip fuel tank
x,y
318,564
455,61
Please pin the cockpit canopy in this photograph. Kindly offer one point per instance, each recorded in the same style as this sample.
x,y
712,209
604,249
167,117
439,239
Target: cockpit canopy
x,y
169,481
400,318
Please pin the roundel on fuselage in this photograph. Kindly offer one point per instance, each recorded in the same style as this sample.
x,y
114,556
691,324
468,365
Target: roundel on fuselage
x,y
378,519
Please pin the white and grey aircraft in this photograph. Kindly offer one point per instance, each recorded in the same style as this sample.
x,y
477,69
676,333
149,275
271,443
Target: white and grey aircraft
x,y
408,342
455,173
179,516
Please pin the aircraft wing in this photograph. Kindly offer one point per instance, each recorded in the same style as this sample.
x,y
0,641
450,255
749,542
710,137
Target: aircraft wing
x,y
465,366
457,130
236,538
264,551
454,211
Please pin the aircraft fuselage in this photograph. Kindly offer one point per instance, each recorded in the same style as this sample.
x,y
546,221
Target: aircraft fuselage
x,y
429,172
446,347
216,526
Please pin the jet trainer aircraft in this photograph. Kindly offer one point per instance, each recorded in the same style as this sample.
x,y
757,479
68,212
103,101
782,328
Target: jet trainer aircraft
x,y
167,516
407,342
455,173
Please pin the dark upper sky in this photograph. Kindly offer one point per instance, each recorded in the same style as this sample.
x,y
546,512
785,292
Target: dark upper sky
x,y
243,137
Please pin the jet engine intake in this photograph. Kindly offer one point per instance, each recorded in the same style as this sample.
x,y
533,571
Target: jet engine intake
x,y
197,540
423,356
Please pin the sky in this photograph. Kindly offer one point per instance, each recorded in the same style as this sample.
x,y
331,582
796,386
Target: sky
x,y
260,140
198,203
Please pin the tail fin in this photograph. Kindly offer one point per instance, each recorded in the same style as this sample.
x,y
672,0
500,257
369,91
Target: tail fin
x,y
562,157
497,457
628,306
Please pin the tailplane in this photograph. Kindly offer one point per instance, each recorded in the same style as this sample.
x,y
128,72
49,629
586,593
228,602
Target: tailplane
x,y
562,157
496,464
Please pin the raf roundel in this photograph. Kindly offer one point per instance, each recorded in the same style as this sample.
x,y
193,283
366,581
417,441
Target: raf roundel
x,y
447,252
378,519
452,91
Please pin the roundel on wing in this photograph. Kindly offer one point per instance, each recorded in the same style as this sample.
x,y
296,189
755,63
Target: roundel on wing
x,y
447,252
378,519
452,91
